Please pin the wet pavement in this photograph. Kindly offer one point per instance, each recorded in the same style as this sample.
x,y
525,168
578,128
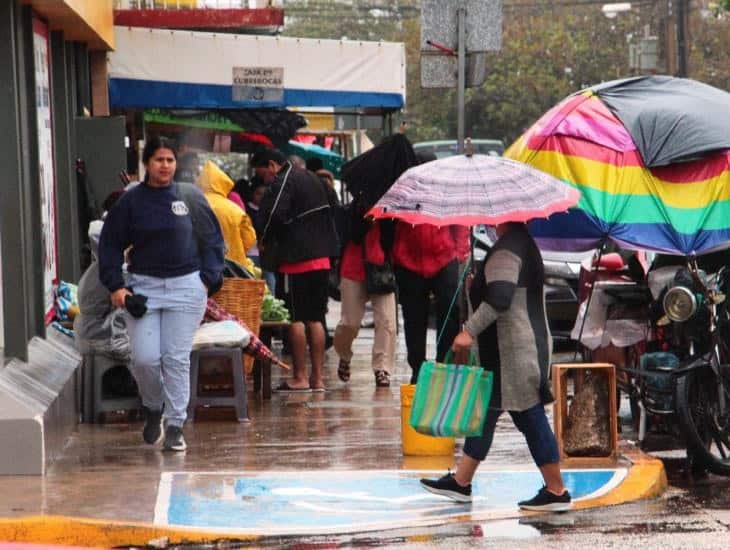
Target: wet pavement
x,y
106,473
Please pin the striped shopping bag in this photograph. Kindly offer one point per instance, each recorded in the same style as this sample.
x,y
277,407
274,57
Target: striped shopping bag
x,y
451,400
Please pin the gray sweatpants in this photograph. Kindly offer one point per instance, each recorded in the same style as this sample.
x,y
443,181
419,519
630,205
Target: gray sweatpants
x,y
162,339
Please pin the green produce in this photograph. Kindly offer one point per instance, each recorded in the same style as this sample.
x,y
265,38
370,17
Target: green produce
x,y
274,309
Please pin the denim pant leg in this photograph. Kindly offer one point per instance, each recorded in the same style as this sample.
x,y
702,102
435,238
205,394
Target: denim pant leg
x,y
144,337
534,425
477,447
186,299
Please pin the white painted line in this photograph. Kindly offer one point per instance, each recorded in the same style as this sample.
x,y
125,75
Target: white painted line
x,y
164,490
618,477
417,471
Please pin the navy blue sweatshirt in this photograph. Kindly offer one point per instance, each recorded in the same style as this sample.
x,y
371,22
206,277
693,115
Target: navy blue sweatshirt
x,y
158,223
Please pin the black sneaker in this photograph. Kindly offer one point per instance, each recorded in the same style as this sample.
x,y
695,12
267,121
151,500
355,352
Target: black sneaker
x,y
446,486
152,431
174,440
547,501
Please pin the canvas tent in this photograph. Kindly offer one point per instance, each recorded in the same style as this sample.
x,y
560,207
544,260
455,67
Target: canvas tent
x,y
193,70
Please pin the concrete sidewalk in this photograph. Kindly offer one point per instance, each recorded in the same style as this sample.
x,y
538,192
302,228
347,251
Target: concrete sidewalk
x,y
305,464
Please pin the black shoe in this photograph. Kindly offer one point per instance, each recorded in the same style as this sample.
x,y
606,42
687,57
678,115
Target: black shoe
x,y
152,431
547,501
382,379
446,486
174,440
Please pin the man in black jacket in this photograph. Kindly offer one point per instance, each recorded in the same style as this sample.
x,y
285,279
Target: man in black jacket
x,y
297,238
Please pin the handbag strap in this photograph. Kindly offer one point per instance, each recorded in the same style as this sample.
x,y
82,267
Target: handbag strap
x,y
276,203
449,358
453,301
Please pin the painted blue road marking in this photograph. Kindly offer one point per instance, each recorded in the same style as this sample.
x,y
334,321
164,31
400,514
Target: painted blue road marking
x,y
273,502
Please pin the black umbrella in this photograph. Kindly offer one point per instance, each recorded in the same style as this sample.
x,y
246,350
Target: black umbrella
x,y
670,119
368,176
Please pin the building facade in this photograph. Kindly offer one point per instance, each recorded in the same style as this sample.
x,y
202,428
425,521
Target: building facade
x,y
52,67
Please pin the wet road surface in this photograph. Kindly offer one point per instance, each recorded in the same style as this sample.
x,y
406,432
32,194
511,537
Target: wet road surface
x,y
105,472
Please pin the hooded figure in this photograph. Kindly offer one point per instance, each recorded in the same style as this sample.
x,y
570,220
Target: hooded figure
x,y
238,231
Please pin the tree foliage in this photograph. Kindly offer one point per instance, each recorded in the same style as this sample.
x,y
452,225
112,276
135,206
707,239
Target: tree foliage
x,y
547,54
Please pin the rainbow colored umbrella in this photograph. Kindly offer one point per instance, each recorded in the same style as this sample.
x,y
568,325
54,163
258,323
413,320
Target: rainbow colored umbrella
x,y
651,158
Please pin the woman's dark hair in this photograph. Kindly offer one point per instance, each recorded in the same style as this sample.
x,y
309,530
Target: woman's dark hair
x,y
254,184
155,143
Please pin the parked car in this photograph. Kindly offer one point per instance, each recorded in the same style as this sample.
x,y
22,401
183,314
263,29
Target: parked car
x,y
447,148
562,270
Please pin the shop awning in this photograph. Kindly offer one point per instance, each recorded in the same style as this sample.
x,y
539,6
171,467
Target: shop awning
x,y
192,70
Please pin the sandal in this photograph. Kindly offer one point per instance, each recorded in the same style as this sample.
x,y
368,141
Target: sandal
x,y
343,370
382,379
284,387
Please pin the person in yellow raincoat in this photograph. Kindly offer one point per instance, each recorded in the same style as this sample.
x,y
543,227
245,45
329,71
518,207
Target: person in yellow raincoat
x,y
238,231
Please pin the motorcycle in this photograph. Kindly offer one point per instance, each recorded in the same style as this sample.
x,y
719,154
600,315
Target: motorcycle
x,y
680,384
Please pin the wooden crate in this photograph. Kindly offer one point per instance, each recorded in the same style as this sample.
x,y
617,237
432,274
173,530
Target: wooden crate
x,y
560,409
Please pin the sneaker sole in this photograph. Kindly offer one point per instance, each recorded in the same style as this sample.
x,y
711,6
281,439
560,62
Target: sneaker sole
x,y
554,507
178,449
458,497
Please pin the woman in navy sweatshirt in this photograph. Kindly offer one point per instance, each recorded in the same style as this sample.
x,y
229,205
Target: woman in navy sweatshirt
x,y
175,259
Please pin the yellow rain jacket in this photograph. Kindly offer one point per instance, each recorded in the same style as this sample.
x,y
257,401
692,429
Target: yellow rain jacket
x,y
238,231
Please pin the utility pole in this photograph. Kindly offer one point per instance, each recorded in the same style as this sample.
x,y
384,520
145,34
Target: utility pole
x,y
461,77
682,46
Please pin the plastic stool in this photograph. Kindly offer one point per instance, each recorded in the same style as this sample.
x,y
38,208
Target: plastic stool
x,y
94,402
238,400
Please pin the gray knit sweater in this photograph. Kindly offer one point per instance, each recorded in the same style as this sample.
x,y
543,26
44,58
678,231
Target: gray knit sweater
x,y
513,298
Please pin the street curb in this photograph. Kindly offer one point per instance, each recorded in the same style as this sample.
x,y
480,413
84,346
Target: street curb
x,y
645,479
88,532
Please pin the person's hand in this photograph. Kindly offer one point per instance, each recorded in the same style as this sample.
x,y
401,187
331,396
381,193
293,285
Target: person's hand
x,y
462,343
468,282
118,297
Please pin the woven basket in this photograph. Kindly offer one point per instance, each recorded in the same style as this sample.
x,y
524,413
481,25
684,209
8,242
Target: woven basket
x,y
243,298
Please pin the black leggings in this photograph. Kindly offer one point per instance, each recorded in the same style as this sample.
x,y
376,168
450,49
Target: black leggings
x,y
413,294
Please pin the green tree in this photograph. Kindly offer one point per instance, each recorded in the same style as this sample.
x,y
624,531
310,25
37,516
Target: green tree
x,y
549,51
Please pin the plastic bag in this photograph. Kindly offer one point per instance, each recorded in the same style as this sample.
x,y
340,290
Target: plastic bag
x,y
115,345
221,333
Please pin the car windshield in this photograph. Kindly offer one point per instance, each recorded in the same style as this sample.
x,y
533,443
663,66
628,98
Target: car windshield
x,y
445,149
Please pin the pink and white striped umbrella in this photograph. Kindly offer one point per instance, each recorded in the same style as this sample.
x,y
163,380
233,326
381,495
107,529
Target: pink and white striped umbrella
x,y
472,190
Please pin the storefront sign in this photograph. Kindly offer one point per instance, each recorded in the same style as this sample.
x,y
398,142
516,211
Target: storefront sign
x,y
258,84
46,166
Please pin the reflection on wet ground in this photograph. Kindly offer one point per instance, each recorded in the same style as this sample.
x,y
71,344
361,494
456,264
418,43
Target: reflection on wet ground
x,y
105,472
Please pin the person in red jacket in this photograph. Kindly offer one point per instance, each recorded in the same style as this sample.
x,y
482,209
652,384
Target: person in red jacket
x,y
369,243
426,260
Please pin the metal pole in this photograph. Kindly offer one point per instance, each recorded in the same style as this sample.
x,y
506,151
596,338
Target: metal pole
x,y
682,16
461,82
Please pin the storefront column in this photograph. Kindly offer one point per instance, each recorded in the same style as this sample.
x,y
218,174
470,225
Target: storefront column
x,y
69,231
13,141
99,83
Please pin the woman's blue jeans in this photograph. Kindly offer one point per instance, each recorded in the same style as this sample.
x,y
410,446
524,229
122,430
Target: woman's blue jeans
x,y
533,424
162,339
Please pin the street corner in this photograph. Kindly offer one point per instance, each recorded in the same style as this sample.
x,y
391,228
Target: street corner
x,y
251,506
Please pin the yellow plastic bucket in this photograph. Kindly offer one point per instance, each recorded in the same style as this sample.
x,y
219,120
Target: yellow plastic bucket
x,y
415,444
